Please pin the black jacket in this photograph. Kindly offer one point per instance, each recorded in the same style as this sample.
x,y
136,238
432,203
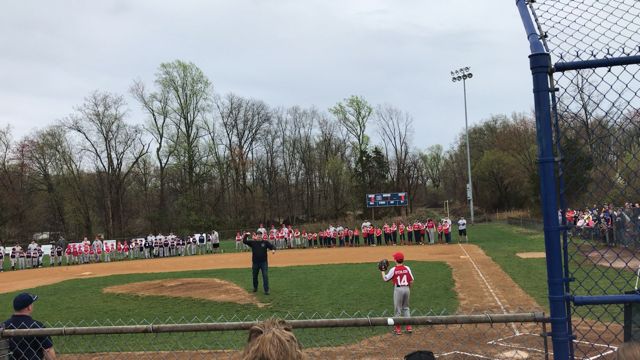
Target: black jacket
x,y
259,249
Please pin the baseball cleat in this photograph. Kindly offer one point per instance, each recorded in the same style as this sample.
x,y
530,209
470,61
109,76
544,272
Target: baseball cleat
x,y
397,330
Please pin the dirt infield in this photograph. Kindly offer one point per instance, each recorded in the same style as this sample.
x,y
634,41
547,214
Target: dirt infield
x,y
480,283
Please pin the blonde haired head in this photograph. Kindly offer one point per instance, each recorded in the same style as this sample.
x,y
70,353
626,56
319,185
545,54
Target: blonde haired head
x,y
272,340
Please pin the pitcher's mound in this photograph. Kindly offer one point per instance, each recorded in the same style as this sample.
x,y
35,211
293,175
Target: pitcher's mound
x,y
196,288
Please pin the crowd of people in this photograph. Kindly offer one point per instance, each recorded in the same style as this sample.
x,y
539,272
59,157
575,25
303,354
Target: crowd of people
x,y
86,251
367,234
613,225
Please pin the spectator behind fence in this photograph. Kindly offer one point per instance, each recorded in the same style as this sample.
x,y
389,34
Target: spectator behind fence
x,y
420,355
272,340
28,347
629,351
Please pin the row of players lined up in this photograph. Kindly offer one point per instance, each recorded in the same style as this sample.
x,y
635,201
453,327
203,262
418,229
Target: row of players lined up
x,y
428,232
155,246
99,250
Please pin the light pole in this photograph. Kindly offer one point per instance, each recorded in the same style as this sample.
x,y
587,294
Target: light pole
x,y
463,74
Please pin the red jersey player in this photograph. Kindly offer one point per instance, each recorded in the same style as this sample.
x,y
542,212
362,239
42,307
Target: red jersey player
x,y
402,279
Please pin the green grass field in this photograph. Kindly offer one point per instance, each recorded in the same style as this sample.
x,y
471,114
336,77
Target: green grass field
x,y
314,291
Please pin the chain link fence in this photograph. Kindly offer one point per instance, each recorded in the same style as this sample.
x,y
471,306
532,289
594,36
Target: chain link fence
x,y
338,336
585,56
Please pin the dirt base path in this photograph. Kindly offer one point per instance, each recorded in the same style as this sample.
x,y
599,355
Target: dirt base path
x,y
480,283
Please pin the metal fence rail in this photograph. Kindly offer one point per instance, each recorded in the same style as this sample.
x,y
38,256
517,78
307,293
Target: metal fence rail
x,y
489,336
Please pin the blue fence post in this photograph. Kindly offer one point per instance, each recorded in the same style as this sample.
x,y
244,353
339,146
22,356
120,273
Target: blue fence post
x,y
540,63
540,68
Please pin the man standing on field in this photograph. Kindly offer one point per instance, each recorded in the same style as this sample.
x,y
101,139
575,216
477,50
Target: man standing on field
x,y
259,249
462,229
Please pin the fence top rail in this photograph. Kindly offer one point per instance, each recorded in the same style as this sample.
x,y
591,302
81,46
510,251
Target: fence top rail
x,y
533,317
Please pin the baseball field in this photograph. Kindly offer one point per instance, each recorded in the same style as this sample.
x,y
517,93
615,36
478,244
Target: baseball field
x,y
499,271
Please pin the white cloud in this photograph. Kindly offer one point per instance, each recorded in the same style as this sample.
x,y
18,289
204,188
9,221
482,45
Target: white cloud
x,y
284,52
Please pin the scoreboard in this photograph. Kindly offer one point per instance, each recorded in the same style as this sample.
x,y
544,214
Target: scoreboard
x,y
387,199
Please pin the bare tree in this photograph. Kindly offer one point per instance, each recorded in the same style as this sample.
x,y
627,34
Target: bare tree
x,y
159,126
115,148
302,123
189,101
71,166
395,128
242,120
432,162
354,115
42,157
6,141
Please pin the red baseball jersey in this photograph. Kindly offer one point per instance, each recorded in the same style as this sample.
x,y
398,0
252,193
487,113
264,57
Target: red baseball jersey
x,y
400,274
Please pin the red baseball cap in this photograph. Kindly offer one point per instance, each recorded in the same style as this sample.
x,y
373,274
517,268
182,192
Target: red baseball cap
x,y
398,256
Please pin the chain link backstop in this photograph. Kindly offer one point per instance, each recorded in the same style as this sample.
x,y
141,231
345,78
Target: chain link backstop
x,y
584,61
346,336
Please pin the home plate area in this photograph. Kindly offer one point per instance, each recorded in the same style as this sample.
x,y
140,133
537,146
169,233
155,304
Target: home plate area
x,y
529,346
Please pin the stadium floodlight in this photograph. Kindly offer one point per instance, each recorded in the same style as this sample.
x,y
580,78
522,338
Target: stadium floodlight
x,y
463,74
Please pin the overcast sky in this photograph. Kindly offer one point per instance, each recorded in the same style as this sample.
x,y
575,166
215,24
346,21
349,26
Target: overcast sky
x,y
285,52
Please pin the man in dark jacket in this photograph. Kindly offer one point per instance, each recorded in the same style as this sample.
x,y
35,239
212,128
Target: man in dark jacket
x,y
259,250
27,347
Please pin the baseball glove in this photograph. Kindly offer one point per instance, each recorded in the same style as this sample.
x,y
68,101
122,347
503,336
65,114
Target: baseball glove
x,y
383,265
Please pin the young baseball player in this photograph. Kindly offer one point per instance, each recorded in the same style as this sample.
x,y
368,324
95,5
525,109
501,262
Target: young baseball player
x,y
394,233
107,253
1,258
402,280
28,258
59,252
297,242
431,229
239,241
446,229
22,257
14,257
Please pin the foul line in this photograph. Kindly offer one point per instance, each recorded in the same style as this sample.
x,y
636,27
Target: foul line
x,y
495,297
464,353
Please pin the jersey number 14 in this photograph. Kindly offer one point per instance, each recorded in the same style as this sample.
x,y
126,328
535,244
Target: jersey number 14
x,y
402,280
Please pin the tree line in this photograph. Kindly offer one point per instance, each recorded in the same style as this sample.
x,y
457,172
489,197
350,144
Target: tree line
x,y
203,160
